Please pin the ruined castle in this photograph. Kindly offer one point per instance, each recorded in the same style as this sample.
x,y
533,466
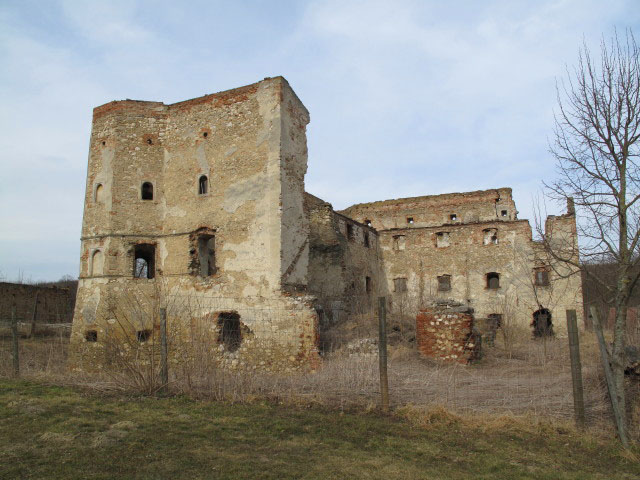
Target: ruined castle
x,y
200,207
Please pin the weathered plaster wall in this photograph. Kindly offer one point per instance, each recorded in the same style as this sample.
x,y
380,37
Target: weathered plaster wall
x,y
469,252
250,142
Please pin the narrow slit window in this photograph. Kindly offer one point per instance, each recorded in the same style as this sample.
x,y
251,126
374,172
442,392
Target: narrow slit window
x,y
99,193
144,261
350,234
97,263
493,280
366,240
207,255
147,191
203,185
367,284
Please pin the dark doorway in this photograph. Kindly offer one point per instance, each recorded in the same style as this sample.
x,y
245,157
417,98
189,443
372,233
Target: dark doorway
x,y
542,325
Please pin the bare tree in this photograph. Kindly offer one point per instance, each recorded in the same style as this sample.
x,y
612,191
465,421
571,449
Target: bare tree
x,y
596,145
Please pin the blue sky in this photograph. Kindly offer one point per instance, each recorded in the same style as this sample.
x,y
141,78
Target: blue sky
x,y
406,97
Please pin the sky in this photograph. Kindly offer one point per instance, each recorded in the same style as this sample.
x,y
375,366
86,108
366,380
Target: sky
x,y
406,97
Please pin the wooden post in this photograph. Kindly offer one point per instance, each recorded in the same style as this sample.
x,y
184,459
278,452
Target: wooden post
x,y
576,368
382,352
33,318
14,334
164,360
608,373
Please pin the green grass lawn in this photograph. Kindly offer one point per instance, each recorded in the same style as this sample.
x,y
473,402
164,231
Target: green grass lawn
x,y
55,432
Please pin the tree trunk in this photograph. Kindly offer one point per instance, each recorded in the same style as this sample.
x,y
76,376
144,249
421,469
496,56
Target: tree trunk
x,y
619,412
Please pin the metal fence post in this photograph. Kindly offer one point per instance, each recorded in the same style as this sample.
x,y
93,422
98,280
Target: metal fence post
x,y
164,361
14,335
382,352
576,368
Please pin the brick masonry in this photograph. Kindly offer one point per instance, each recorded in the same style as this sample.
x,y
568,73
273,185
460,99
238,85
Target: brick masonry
x,y
447,334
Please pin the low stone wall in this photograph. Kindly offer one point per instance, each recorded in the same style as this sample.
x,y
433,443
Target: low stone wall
x,y
447,333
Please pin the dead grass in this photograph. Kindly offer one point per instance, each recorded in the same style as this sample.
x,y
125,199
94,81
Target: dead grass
x,y
529,379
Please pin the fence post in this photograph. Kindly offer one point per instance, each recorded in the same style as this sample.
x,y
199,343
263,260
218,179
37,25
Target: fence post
x,y
164,361
14,335
382,352
576,368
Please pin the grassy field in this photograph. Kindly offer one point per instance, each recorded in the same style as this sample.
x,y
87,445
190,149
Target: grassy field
x,y
56,432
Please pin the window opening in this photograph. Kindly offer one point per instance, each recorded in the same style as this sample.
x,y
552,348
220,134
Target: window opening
x,y
97,263
541,277
410,220
490,236
503,213
453,217
442,239
542,325
349,231
144,261
205,134
91,336
147,191
149,141
229,334
99,195
366,239
399,285
367,222
444,283
207,255
398,242
203,185
493,280
367,284
143,335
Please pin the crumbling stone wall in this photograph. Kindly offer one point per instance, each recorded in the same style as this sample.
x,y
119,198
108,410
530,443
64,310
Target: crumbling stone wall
x,y
446,332
345,269
50,304
250,145
455,241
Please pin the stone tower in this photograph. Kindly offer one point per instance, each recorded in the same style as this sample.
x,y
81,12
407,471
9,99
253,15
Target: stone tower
x,y
197,207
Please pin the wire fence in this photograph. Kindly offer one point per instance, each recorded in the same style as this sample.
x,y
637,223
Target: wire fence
x,y
239,349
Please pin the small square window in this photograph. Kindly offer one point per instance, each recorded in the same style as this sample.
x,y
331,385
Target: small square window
x,y
493,280
399,285
91,336
442,239
541,277
444,283
453,217
503,213
398,242
410,220
367,222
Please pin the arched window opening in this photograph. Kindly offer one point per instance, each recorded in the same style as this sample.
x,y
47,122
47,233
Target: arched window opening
x,y
207,255
97,263
493,280
203,185
230,334
144,261
542,325
147,191
99,193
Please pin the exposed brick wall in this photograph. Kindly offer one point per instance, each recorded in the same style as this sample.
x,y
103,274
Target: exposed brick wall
x,y
447,334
